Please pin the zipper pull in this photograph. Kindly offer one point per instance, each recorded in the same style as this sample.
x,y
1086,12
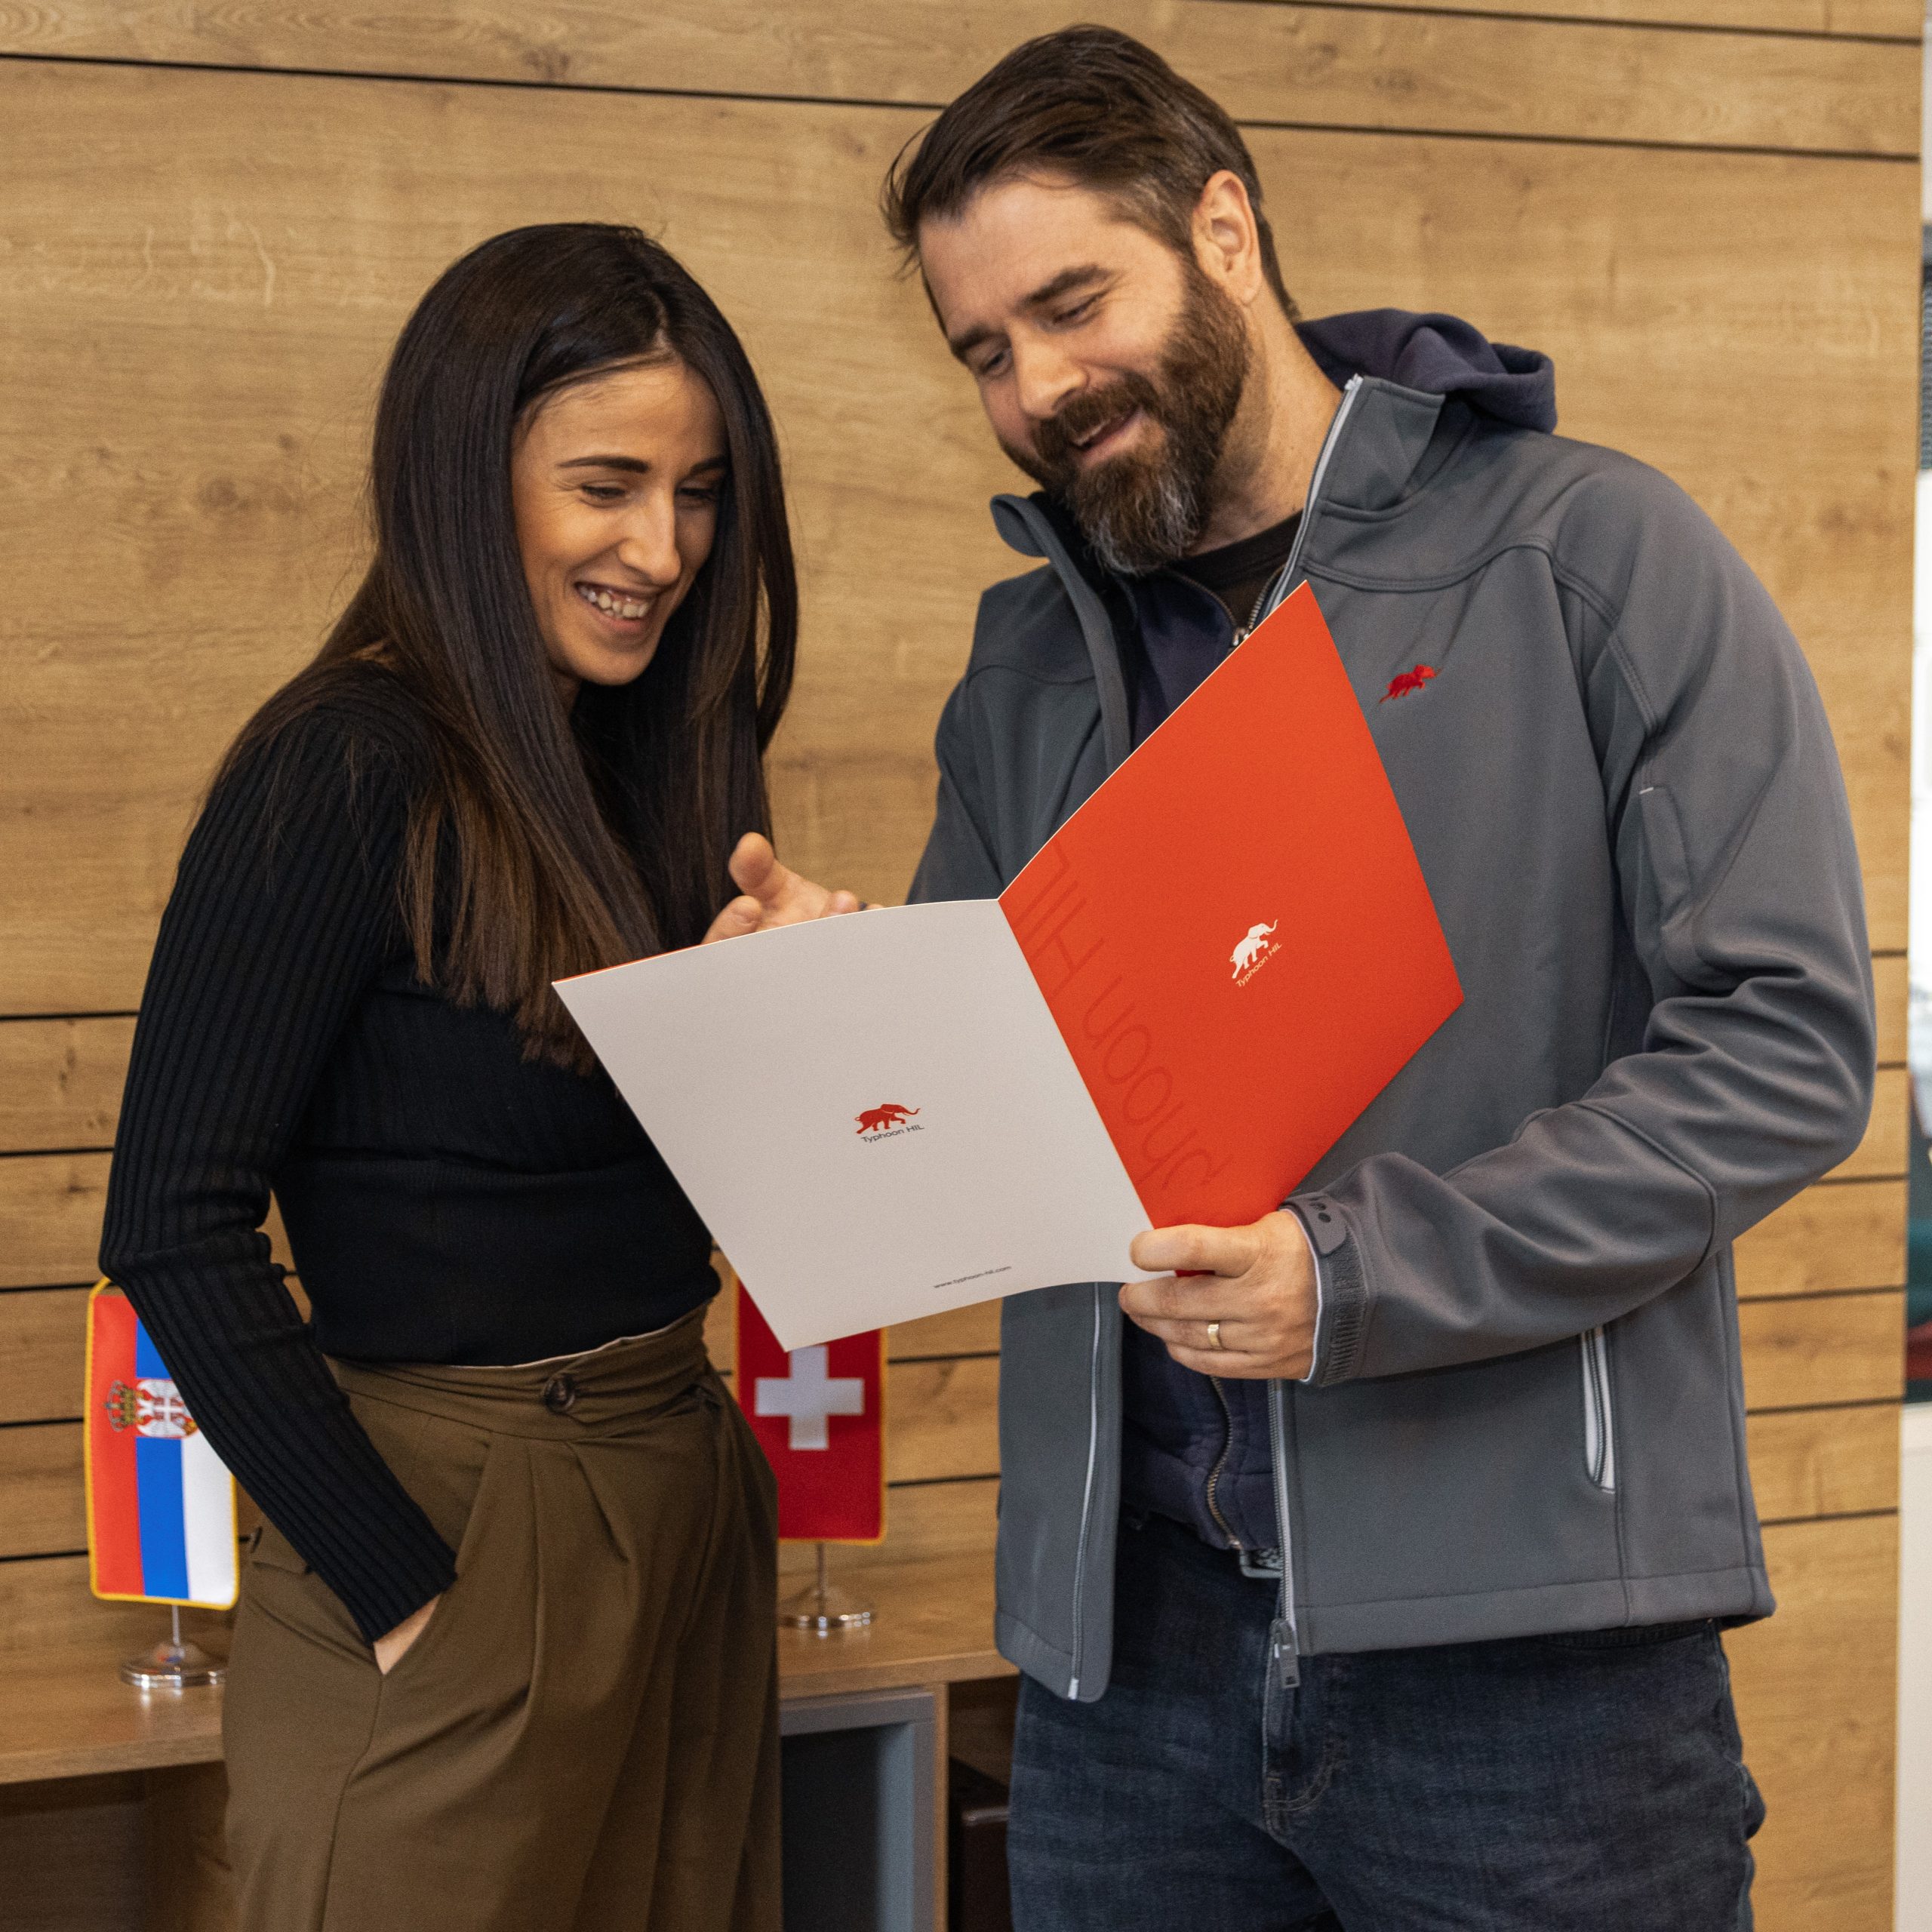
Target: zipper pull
x,y
1282,1655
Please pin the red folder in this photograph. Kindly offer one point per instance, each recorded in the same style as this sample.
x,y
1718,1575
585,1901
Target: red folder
x,y
1237,981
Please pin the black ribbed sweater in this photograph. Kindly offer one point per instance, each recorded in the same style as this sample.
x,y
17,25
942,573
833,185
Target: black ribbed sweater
x,y
446,1199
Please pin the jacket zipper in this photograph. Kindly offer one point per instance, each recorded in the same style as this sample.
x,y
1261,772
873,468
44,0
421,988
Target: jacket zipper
x,y
1283,1645
1086,1496
1285,1655
1284,1642
1277,587
1599,1424
1221,1462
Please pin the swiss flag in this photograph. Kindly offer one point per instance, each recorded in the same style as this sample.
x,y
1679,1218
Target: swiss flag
x,y
819,1414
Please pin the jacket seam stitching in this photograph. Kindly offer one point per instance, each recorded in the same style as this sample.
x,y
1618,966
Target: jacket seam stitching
x,y
1469,567
1620,1579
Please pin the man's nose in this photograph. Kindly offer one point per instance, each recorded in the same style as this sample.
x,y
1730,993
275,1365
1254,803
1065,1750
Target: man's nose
x,y
1043,377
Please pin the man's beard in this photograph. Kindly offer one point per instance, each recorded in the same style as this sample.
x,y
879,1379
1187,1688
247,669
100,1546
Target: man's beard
x,y
1145,508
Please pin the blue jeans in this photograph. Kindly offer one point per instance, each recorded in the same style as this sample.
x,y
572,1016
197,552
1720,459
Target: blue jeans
x,y
1584,1783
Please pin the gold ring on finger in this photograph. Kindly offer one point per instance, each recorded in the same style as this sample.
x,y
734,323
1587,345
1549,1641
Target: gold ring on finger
x,y
1214,1336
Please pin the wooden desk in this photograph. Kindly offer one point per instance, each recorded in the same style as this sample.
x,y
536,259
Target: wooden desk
x,y
71,1716
66,1719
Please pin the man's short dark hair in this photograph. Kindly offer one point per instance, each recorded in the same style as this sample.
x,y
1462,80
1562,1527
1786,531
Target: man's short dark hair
x,y
1094,106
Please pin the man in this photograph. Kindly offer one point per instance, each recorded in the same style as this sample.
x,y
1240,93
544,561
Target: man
x,y
1478,1381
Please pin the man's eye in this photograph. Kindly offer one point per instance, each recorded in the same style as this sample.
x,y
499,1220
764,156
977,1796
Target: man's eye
x,y
992,365
1079,313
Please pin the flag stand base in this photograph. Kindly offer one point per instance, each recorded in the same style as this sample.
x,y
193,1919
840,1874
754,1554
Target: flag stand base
x,y
172,1666
823,1607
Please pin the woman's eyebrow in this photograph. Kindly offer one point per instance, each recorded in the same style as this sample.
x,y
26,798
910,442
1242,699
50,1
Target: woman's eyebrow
x,y
636,465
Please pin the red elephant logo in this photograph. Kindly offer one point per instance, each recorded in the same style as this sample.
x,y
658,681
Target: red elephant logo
x,y
1406,681
876,1120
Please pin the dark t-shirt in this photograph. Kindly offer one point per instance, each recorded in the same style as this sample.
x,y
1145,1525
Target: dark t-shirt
x,y
1237,573
1178,635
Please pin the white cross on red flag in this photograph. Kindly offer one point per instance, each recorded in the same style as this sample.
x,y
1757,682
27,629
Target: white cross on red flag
x,y
819,1414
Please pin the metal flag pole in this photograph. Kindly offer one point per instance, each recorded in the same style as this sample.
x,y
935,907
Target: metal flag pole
x,y
172,1665
822,1607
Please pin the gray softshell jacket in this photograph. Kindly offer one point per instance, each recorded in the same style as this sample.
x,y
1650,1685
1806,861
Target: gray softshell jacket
x,y
1526,1413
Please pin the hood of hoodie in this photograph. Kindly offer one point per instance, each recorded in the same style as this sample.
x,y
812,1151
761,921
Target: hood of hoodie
x,y
1437,355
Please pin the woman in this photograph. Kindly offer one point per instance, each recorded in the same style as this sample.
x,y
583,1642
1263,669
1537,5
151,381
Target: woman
x,y
504,1653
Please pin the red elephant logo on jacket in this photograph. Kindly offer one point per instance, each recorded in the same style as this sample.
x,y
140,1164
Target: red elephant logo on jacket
x,y
876,1120
1406,681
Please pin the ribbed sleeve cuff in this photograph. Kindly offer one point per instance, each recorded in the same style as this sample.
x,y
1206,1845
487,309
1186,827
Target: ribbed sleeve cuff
x,y
1341,1327
379,1599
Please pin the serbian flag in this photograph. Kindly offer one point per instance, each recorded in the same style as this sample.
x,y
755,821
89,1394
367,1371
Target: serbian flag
x,y
819,1414
160,1504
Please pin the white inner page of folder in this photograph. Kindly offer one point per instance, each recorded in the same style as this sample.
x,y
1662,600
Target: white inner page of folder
x,y
875,1114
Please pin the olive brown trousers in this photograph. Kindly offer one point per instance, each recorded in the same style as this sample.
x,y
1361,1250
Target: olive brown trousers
x,y
586,1733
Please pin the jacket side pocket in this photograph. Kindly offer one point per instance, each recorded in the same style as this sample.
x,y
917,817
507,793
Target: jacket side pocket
x,y
1599,1419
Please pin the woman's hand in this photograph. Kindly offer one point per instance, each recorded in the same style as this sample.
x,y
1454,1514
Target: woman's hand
x,y
393,1645
774,895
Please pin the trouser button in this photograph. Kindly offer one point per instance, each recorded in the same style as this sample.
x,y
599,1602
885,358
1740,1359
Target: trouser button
x,y
560,1395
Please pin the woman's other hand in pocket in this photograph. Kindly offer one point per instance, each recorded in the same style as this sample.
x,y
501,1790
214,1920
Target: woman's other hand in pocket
x,y
393,1645
771,895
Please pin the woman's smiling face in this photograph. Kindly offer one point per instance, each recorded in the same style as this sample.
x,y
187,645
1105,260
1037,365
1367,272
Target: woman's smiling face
x,y
616,481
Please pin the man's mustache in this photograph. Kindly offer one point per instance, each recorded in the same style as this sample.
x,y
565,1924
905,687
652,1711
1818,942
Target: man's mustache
x,y
1054,440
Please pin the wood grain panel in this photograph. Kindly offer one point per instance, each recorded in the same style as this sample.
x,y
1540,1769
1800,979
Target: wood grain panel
x,y
43,1354
1822,1348
49,1218
45,1607
960,1331
1456,73
45,1507
1896,19
1825,1462
1888,983
220,368
1317,66
1846,1234
1815,1702
941,1419
60,1082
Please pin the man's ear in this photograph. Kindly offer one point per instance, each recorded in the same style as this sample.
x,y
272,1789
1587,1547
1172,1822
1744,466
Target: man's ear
x,y
1227,240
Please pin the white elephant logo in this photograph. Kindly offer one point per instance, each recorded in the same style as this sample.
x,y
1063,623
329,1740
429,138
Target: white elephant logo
x,y
1251,948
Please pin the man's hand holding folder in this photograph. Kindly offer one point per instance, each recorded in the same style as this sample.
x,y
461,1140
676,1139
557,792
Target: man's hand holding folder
x,y
1237,1302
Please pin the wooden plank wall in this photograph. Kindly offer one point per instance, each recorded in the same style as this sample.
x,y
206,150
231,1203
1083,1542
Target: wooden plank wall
x,y
1706,209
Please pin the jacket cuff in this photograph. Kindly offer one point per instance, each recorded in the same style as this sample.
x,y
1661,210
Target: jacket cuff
x,y
1341,1322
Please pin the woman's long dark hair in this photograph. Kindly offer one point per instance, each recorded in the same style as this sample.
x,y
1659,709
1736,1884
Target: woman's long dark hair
x,y
549,843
